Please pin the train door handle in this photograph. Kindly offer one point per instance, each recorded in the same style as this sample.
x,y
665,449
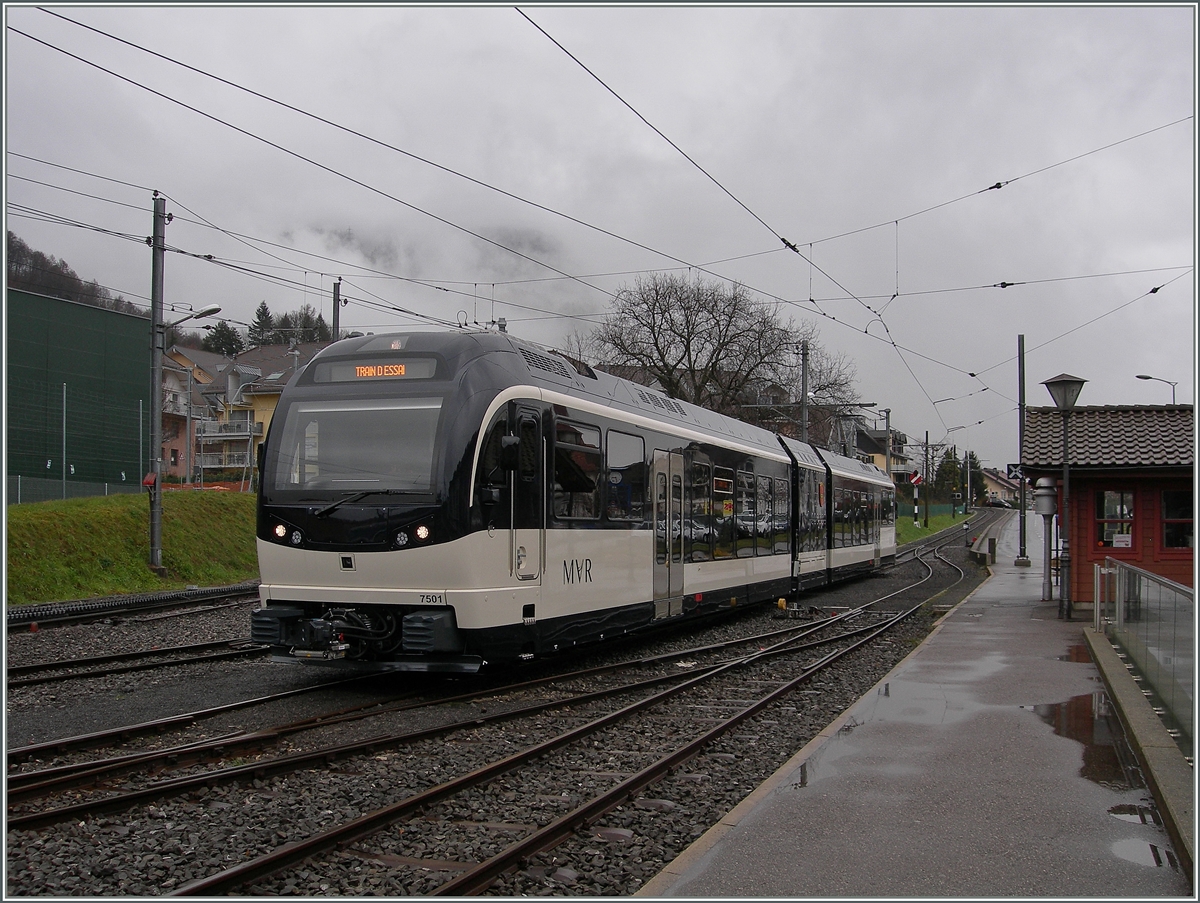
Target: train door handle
x,y
521,556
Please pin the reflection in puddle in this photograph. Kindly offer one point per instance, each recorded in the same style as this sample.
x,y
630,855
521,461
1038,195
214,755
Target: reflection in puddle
x,y
1145,853
1090,720
1140,815
1077,653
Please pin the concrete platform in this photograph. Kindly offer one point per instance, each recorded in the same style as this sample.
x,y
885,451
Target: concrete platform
x,y
984,765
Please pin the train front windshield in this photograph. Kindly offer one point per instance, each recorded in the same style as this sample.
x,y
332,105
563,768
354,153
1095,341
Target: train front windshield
x,y
354,445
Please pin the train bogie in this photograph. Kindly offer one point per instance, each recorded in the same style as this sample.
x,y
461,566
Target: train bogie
x,y
438,502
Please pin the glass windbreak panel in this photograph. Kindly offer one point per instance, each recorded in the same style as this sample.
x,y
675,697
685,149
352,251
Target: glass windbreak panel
x,y
356,445
1114,519
1177,518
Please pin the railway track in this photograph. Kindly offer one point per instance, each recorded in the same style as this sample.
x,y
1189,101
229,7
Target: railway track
x,y
189,601
565,710
135,660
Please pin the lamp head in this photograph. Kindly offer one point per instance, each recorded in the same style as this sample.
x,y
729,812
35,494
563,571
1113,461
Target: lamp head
x,y
1064,389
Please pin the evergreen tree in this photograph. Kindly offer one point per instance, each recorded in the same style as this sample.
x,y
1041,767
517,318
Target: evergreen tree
x,y
948,479
285,329
262,329
224,339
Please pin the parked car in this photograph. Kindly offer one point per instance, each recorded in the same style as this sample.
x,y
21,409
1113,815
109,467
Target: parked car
x,y
998,503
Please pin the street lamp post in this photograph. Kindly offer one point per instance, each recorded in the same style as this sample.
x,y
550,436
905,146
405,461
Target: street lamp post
x,y
1161,380
1065,389
154,478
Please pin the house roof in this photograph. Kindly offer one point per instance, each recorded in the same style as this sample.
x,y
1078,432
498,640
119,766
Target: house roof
x,y
1001,479
1111,436
266,369
208,361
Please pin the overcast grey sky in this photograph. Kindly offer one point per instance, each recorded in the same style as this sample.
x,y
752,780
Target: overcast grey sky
x,y
868,137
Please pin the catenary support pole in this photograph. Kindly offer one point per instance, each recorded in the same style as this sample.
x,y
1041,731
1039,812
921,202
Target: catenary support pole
x,y
157,260
1022,553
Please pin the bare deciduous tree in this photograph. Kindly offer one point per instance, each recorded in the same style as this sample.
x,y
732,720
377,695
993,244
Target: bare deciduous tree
x,y
712,344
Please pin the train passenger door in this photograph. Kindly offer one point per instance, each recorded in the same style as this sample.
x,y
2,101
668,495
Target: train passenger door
x,y
528,534
667,481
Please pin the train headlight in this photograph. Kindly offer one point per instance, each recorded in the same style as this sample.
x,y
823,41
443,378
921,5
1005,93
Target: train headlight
x,y
296,538
401,539
422,532
280,531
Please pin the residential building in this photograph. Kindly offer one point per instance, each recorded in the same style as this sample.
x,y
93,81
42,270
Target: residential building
x,y
999,486
243,396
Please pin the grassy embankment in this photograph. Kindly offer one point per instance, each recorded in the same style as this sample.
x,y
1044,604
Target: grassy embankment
x,y
83,548
906,532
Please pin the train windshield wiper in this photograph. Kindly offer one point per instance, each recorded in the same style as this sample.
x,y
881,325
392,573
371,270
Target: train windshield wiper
x,y
354,497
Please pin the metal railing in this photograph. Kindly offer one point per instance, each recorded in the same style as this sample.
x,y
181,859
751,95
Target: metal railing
x,y
220,429
219,460
1153,621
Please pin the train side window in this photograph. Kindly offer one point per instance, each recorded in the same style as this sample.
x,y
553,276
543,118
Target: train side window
x,y
676,519
723,523
626,477
764,520
490,471
491,480
577,463
783,520
527,467
841,518
700,527
743,514
660,519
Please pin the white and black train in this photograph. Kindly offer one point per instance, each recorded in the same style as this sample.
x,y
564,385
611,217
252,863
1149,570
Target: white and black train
x,y
441,501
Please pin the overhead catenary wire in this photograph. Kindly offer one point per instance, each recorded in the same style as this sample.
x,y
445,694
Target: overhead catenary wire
x,y
843,322
299,156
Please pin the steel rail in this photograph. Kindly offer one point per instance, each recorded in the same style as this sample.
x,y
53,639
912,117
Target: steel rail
x,y
20,670
99,738
143,666
18,616
368,824
482,876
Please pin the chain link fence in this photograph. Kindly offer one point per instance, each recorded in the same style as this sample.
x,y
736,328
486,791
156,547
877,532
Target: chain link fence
x,y
22,490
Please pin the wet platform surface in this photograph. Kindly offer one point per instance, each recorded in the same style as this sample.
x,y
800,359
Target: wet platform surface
x,y
989,763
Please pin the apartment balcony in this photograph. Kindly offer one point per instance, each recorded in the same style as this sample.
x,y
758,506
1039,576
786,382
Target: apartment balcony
x,y
221,460
224,431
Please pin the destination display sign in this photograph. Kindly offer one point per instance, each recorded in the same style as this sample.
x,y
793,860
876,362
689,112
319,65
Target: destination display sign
x,y
373,370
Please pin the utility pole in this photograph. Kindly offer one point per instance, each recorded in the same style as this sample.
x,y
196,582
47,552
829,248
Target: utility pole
x,y
1022,555
927,477
804,391
887,449
337,307
154,478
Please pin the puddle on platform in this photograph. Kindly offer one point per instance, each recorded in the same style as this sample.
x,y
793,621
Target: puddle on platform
x,y
1078,653
1090,720
1145,854
1139,815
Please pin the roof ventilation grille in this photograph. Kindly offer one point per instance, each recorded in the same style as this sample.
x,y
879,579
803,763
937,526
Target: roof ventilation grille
x,y
545,362
658,401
